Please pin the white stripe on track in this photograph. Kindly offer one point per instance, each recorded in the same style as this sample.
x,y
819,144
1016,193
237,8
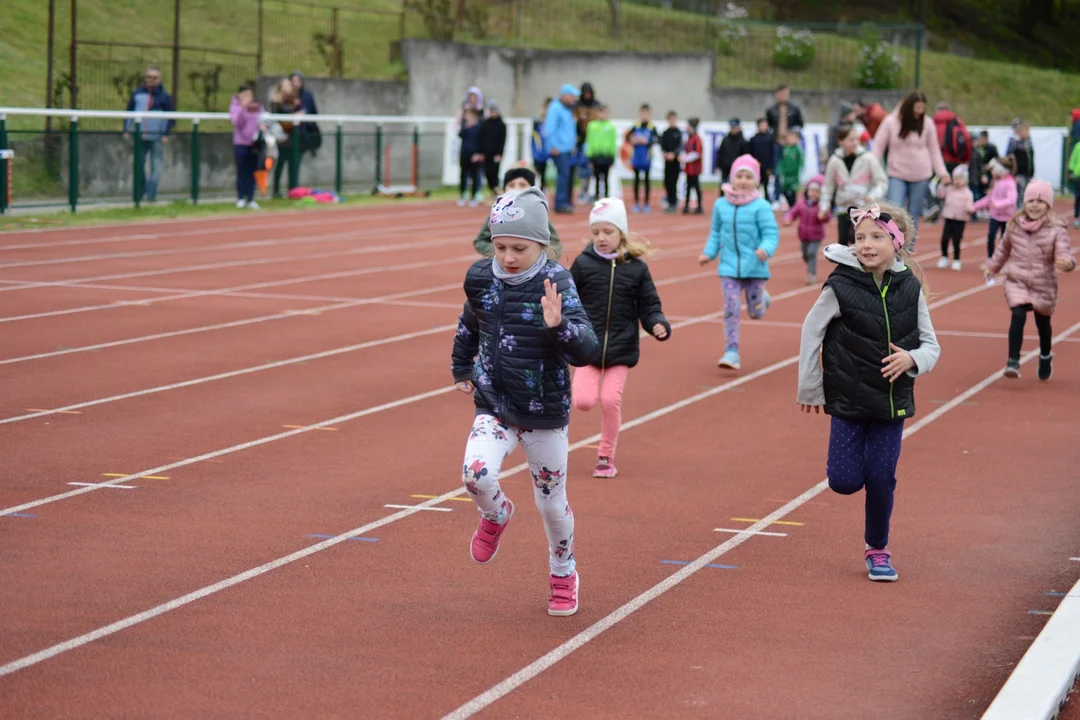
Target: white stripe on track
x,y
530,671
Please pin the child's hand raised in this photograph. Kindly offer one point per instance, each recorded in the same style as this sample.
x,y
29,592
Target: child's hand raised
x,y
552,305
816,409
897,364
659,331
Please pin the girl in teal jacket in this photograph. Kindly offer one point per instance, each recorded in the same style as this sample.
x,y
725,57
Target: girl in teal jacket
x,y
745,235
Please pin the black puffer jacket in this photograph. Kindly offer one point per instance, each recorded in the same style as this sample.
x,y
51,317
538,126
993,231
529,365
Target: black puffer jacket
x,y
617,296
520,371
856,342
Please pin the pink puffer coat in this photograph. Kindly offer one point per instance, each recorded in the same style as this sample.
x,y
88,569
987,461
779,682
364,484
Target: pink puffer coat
x,y
1028,260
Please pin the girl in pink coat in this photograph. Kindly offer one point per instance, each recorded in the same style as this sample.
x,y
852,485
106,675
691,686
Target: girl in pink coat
x,y
1001,200
812,215
1034,246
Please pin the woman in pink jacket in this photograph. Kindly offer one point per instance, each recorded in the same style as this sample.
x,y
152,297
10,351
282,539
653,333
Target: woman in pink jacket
x,y
911,140
1001,200
1035,245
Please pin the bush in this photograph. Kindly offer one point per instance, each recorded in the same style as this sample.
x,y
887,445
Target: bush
x,y
794,50
730,35
878,68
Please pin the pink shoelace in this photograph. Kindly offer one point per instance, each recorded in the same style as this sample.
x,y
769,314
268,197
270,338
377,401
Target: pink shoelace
x,y
879,559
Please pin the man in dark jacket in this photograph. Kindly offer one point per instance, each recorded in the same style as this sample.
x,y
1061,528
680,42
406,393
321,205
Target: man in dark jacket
x,y
492,144
670,145
310,135
763,149
733,146
154,133
979,172
783,117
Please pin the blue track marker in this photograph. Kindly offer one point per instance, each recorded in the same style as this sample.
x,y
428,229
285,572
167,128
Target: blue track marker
x,y
1055,594
357,539
712,565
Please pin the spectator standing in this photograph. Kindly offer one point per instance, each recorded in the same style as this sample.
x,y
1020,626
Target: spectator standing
x,y
492,145
560,131
983,153
871,116
783,117
585,110
539,146
763,148
310,135
283,101
244,112
732,147
955,149
671,142
1021,148
151,97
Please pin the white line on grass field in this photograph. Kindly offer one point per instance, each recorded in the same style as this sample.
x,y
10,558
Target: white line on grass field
x,y
606,623
311,550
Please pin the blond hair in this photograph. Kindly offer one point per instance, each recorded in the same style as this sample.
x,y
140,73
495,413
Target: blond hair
x,y
1052,218
906,225
631,245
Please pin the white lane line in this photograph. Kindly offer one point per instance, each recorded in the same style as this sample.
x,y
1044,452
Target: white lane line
x,y
1041,681
419,507
1076,559
618,615
750,532
234,373
94,485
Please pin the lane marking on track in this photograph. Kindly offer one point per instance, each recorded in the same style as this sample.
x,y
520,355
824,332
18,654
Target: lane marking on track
x,y
46,411
530,671
106,485
750,532
355,539
420,507
1040,612
429,497
523,675
1076,559
710,565
1051,593
148,477
324,429
778,522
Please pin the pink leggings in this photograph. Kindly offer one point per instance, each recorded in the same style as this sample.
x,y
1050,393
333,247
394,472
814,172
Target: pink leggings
x,y
591,385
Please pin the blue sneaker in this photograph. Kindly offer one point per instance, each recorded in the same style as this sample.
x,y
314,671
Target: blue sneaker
x,y
647,209
730,360
637,208
879,566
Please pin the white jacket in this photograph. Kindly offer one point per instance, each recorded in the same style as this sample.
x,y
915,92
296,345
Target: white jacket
x,y
866,179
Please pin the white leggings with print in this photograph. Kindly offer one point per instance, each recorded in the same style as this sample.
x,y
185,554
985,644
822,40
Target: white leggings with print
x,y
490,443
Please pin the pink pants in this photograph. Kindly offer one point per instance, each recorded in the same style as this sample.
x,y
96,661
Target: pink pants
x,y
591,385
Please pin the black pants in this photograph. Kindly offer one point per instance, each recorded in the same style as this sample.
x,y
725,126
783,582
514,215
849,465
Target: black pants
x,y
997,229
246,160
765,175
693,183
791,197
540,166
601,169
470,171
638,175
953,231
1016,332
284,159
672,170
846,229
491,170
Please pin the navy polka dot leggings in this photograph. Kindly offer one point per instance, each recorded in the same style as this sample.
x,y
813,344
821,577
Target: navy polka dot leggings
x,y
865,454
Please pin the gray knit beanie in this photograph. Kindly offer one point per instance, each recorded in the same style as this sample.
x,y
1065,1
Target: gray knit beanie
x,y
522,215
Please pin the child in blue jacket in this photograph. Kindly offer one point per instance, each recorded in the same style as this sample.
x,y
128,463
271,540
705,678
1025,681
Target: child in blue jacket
x,y
745,235
642,137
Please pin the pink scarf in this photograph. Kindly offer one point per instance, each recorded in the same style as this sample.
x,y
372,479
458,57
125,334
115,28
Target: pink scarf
x,y
1031,226
739,198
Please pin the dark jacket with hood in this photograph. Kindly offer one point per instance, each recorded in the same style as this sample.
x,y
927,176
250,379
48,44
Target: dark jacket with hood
x,y
763,149
732,147
617,296
584,111
492,136
518,366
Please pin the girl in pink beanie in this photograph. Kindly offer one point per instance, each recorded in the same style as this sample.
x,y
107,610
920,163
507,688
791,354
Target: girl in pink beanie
x,y
1034,246
744,234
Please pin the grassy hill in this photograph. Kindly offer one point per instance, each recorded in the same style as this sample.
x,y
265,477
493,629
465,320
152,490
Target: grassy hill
x,y
983,91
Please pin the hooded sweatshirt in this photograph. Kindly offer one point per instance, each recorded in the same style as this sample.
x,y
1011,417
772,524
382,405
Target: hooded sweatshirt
x,y
865,179
826,311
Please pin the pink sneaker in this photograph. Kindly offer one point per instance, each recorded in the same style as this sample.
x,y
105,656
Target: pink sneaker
x,y
485,541
605,468
564,595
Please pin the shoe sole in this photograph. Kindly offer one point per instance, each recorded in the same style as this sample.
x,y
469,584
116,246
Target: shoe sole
x,y
879,578
488,561
568,613
603,474
729,366
1010,373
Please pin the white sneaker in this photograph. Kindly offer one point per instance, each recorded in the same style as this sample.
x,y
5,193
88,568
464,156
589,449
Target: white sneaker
x,y
253,205
956,265
241,203
943,263
461,202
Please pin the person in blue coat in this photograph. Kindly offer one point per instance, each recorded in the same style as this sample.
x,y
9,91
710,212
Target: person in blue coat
x,y
154,132
745,235
560,131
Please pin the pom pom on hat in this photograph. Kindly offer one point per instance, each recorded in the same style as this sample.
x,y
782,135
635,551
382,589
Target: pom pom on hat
x,y
610,210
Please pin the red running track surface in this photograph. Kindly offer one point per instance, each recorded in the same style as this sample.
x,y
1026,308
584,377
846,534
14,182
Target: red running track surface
x,y
200,350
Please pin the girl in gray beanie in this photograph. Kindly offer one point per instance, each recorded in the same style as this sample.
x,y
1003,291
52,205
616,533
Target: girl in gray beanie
x,y
522,325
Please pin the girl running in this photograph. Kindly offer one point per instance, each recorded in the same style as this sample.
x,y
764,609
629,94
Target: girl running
x,y
1034,245
812,215
522,322
745,235
959,204
1001,200
871,326
617,291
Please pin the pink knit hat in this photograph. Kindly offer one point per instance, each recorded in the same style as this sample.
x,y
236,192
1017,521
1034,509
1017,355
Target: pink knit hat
x,y
1039,190
747,162
818,180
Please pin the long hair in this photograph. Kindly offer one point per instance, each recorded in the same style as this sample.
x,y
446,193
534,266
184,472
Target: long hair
x,y
906,225
631,246
908,122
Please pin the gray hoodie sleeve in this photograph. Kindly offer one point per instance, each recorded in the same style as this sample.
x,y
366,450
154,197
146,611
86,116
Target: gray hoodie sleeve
x,y
825,310
926,355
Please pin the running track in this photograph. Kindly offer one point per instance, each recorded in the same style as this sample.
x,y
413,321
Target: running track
x,y
243,398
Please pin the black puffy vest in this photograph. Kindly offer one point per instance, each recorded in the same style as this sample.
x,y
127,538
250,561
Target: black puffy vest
x,y
857,342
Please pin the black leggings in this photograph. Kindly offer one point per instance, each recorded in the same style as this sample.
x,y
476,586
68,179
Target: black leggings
x,y
491,170
997,229
672,170
693,183
540,166
953,231
1016,331
470,171
601,169
638,174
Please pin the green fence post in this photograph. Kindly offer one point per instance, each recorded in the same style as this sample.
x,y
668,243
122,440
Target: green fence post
x,y
140,162
378,158
195,156
337,159
3,166
73,164
294,157
918,54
